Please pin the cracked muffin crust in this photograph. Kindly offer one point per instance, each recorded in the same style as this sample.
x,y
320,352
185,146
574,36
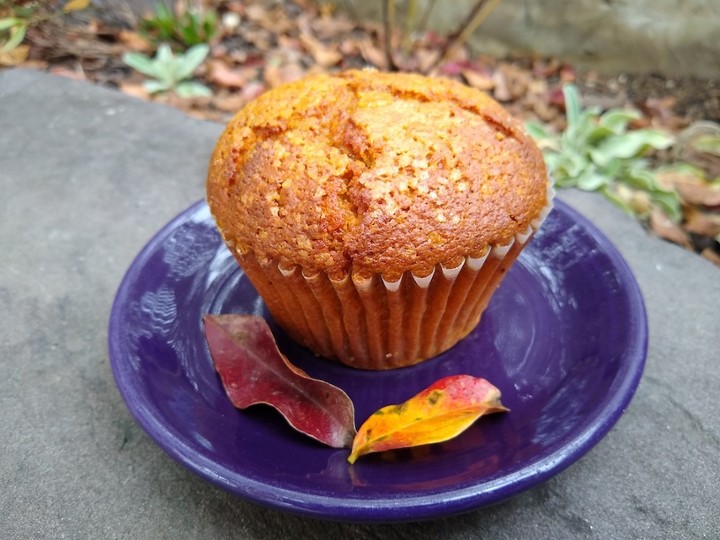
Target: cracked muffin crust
x,y
373,173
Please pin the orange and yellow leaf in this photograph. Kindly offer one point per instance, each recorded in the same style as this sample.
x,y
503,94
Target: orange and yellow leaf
x,y
440,412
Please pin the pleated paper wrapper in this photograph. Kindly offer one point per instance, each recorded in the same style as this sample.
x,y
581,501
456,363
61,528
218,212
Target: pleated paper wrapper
x,y
373,324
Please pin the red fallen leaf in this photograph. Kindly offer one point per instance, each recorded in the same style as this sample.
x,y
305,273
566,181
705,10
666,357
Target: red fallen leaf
x,y
440,412
253,371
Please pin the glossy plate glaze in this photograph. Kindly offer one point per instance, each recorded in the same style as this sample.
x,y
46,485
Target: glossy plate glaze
x,y
564,339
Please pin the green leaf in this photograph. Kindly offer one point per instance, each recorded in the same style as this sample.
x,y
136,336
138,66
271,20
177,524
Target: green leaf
x,y
617,120
166,65
640,178
155,86
591,180
191,60
164,12
164,54
614,168
551,160
669,203
537,131
140,62
682,167
17,34
192,89
572,105
574,163
210,25
710,144
598,134
189,29
617,200
9,22
629,145
577,135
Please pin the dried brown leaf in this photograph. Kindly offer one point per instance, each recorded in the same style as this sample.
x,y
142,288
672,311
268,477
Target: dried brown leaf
x,y
260,38
257,13
323,55
134,89
426,58
222,74
349,47
229,102
275,76
14,56
35,64
546,68
331,27
705,195
372,54
662,109
666,229
701,223
481,81
692,189
252,90
75,74
134,41
501,88
711,255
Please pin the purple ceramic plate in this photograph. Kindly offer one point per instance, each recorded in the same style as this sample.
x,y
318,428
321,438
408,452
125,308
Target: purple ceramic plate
x,y
564,339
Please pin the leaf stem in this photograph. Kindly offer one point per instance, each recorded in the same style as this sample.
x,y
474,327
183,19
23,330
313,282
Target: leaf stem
x,y
477,15
422,25
388,14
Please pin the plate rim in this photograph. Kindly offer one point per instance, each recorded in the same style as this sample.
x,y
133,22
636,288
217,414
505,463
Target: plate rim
x,y
402,508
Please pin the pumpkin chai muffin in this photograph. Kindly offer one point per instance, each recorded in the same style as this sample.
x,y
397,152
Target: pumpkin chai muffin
x,y
376,213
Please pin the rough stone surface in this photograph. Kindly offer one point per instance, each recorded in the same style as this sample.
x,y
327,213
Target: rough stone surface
x,y
88,176
674,37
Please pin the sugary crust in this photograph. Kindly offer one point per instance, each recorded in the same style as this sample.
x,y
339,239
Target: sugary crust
x,y
373,173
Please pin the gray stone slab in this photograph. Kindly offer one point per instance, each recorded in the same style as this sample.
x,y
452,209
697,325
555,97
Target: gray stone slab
x,y
88,175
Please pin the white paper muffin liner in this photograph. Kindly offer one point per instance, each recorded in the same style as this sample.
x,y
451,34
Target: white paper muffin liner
x,y
372,323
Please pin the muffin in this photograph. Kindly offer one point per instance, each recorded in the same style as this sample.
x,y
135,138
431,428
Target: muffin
x,y
376,213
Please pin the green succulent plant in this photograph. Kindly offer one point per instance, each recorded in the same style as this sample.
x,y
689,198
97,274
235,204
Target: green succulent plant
x,y
169,71
187,28
600,152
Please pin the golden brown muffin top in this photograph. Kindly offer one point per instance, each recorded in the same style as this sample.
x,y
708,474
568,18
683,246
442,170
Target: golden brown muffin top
x,y
373,172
